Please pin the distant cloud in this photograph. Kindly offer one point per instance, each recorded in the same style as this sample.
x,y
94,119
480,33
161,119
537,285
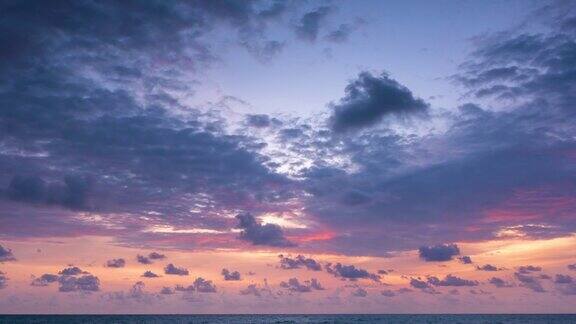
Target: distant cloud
x,y
293,284
350,272
44,280
156,256
371,98
499,283
204,286
150,274
488,267
252,289
142,259
258,234
528,269
86,283
451,281
116,263
360,292
529,282
571,266
465,259
441,252
563,279
230,275
72,271
6,254
166,291
3,280
299,261
171,269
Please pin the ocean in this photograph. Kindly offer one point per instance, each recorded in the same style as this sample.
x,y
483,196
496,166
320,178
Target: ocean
x,y
143,319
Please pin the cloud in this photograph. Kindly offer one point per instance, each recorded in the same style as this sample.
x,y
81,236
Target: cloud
x,y
85,283
171,269
311,22
44,280
142,259
6,254
150,274
528,269
293,284
185,289
166,291
258,234
571,266
3,280
254,290
488,267
369,99
360,292
499,283
388,293
72,271
300,261
156,256
563,279
116,263
529,282
452,281
350,272
465,259
204,286
440,253
230,275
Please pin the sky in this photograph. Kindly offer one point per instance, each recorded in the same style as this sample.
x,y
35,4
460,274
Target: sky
x,y
287,156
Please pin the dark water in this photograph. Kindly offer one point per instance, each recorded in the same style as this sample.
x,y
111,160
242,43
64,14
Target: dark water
x,y
287,319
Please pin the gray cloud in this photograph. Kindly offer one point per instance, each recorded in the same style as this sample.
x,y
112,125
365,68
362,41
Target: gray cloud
x,y
116,263
440,253
72,271
44,280
171,269
3,280
350,272
360,292
529,282
293,284
6,254
230,275
465,259
204,286
563,279
311,22
451,281
499,283
258,234
85,283
369,99
488,267
299,261
150,274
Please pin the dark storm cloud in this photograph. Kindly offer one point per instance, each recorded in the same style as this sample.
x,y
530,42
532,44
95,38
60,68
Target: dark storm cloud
x,y
350,272
44,280
441,252
71,193
293,284
310,24
230,275
171,269
499,283
452,281
116,263
371,98
299,261
258,234
6,254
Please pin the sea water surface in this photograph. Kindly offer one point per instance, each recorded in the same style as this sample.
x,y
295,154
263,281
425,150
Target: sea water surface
x,y
129,319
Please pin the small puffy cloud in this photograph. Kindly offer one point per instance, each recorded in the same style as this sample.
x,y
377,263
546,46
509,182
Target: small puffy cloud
x,y
441,252
116,263
184,288
488,267
156,256
142,259
204,286
465,259
150,274
44,280
452,281
369,99
300,261
563,279
499,283
360,292
3,280
230,275
166,291
72,271
6,254
571,266
350,272
171,269
86,283
293,284
419,284
529,282
251,289
258,234
529,269
388,293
